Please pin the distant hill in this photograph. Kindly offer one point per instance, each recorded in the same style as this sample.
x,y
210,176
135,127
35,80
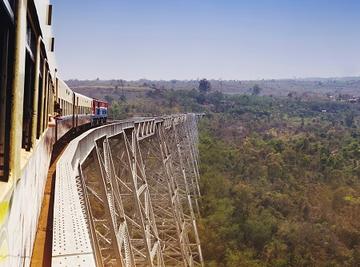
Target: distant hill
x,y
115,89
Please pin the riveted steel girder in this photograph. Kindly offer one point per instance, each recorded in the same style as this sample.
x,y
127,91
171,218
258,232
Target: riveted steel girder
x,y
138,187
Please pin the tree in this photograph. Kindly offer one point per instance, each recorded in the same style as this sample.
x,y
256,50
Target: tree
x,y
204,86
123,98
109,98
349,120
256,90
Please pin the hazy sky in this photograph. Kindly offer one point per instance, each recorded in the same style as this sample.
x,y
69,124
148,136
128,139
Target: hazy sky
x,y
186,39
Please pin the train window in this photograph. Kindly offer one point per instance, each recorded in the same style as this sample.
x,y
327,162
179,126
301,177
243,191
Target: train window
x,y
40,98
8,7
52,46
48,99
50,14
30,39
45,95
11,3
6,59
51,99
27,106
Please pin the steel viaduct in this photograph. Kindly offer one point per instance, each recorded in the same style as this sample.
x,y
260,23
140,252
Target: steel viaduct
x,y
124,194
127,194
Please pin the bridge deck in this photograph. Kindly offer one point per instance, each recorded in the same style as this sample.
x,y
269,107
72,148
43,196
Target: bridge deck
x,y
43,243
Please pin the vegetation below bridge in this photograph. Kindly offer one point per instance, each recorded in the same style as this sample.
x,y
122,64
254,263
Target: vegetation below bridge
x,y
280,175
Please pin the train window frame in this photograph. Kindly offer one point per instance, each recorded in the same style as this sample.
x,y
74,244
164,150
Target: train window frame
x,y
28,108
29,85
45,97
6,70
39,131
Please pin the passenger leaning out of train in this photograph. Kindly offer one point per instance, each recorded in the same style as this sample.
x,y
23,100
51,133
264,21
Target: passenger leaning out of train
x,y
56,116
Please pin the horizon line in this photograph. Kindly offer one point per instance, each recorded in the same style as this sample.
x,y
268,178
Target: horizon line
x,y
220,79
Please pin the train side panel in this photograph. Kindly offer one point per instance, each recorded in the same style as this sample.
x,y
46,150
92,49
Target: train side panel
x,y
31,95
83,111
64,121
27,95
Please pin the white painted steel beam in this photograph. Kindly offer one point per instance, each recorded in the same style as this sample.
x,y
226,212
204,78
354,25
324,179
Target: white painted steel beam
x,y
126,194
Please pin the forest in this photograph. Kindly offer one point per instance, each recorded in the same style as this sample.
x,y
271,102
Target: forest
x,y
279,175
280,184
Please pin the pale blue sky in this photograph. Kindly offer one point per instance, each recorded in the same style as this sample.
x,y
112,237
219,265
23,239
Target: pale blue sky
x,y
189,39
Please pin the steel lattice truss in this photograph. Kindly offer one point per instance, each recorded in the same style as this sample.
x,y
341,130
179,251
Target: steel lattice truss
x,y
139,190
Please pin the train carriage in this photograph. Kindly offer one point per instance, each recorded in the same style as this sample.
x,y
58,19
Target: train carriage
x,y
99,112
65,109
36,109
83,110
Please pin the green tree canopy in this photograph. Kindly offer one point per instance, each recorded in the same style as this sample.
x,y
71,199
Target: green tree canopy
x,y
204,86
